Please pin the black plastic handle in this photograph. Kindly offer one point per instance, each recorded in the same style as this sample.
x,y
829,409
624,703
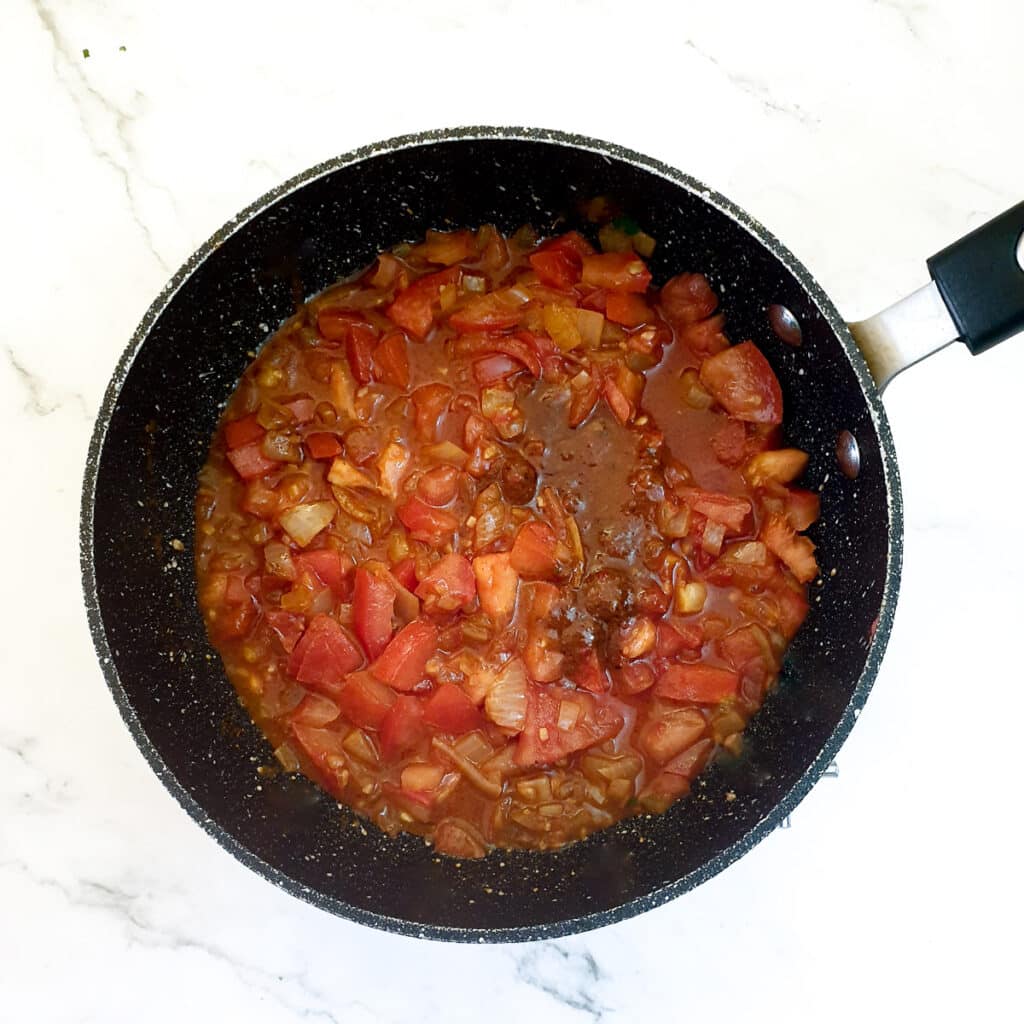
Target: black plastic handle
x,y
982,283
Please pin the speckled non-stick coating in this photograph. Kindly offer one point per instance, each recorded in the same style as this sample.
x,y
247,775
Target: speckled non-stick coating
x,y
151,438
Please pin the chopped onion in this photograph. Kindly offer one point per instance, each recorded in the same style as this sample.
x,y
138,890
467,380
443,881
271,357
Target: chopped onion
x,y
590,325
561,324
448,452
304,522
417,778
534,790
695,394
568,714
690,597
391,464
673,520
751,552
358,744
711,539
505,703
286,758
343,474
278,560
473,774
474,283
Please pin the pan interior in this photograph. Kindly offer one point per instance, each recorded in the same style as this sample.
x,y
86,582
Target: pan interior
x,y
152,439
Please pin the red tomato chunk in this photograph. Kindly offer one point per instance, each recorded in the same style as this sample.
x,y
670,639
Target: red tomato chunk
x,y
500,543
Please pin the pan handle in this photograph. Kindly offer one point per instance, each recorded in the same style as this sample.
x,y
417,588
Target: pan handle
x,y
976,296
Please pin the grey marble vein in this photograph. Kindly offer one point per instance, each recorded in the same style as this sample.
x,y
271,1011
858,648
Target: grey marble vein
x,y
40,400
290,992
569,976
68,71
757,89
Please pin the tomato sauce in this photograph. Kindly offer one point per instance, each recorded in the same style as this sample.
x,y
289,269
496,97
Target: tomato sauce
x,y
496,540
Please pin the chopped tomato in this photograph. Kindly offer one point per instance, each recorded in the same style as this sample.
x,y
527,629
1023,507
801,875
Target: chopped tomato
x,y
628,309
634,678
405,573
589,674
413,307
790,547
572,243
664,736
700,683
495,369
746,649
239,433
431,401
783,465
556,269
706,337
522,348
449,586
402,727
322,445
673,639
732,513
373,605
404,661
364,701
584,390
560,721
288,627
315,710
334,324
439,485
331,567
431,525
744,384
449,710
491,312
793,608
687,299
616,272
497,583
533,551
359,346
802,508
324,748
391,361
622,390
729,443
324,655
249,461
447,247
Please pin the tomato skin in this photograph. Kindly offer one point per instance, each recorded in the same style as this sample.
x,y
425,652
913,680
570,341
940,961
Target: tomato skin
x,y
497,583
450,711
364,701
324,656
288,627
556,269
790,547
431,525
331,567
485,313
405,572
533,551
543,742
403,663
744,384
402,727
449,586
628,309
391,361
249,461
413,307
431,401
494,370
616,272
519,348
239,433
589,674
687,299
373,605
702,684
323,445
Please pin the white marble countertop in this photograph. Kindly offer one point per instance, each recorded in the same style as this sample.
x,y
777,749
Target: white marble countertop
x,y
866,135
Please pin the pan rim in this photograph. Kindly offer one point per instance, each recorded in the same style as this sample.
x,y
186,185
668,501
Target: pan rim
x,y
583,922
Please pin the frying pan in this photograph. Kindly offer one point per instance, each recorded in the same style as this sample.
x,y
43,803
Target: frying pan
x,y
182,364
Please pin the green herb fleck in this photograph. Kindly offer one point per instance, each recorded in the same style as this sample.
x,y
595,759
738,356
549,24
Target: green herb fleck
x,y
85,54
626,224
122,49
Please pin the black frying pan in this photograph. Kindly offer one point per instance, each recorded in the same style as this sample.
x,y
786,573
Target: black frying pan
x,y
184,361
